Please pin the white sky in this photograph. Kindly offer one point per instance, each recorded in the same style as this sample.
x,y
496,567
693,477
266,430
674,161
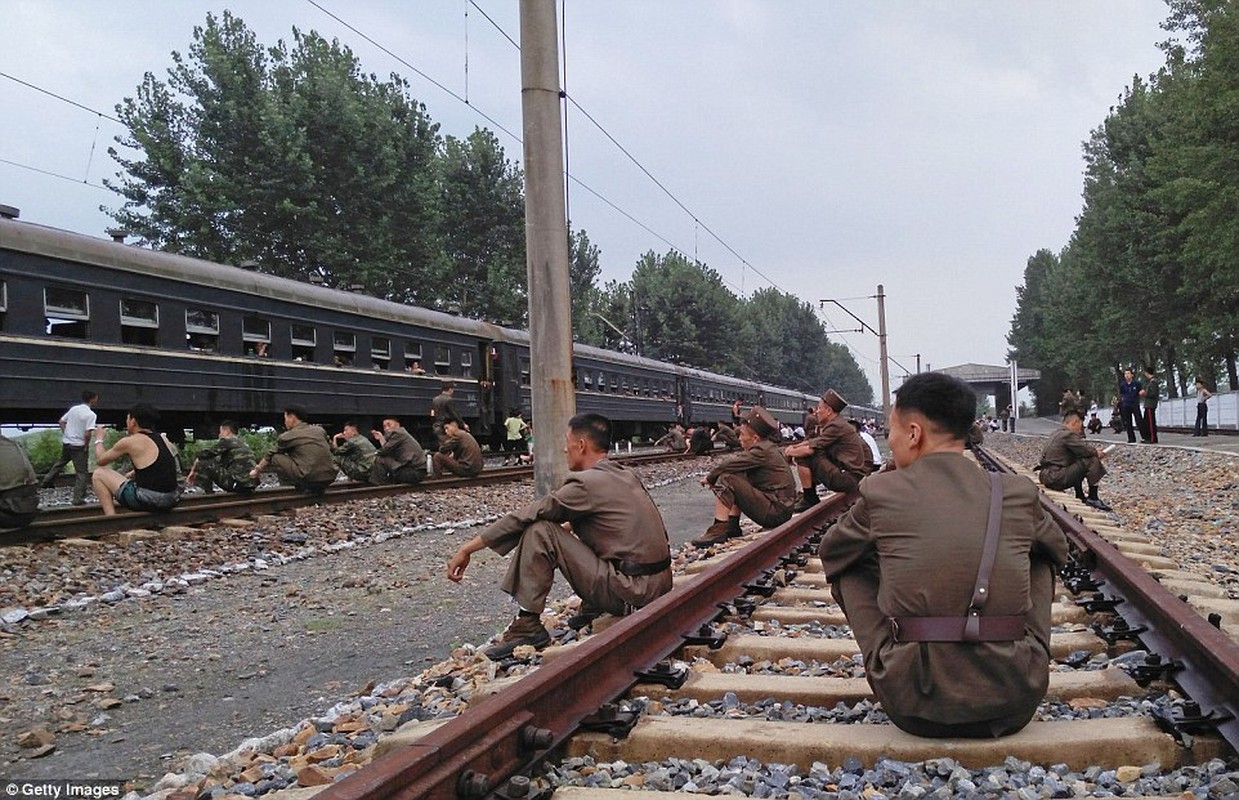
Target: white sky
x,y
928,146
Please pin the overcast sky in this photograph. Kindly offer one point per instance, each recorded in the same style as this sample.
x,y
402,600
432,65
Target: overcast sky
x,y
930,147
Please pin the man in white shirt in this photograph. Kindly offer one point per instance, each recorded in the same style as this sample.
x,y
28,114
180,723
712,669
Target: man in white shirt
x,y
77,427
869,440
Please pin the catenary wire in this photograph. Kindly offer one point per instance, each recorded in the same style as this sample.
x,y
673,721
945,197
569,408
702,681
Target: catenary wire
x,y
62,98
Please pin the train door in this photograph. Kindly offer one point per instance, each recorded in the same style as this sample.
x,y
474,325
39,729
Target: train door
x,y
683,400
490,403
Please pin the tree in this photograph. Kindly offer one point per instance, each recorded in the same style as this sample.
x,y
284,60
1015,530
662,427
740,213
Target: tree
x,y
484,236
289,156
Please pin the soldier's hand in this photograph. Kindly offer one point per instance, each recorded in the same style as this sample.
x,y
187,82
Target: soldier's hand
x,y
705,482
456,566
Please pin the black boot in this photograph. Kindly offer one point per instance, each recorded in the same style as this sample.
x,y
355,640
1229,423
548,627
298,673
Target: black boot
x,y
1079,487
1095,501
733,528
809,500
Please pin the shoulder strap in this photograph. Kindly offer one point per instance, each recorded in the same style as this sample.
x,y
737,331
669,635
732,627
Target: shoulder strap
x,y
980,590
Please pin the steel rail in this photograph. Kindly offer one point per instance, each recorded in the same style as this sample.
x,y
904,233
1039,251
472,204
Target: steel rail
x,y
473,754
1174,630
89,522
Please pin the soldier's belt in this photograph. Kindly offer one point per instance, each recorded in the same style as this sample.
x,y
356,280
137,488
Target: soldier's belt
x,y
634,569
972,628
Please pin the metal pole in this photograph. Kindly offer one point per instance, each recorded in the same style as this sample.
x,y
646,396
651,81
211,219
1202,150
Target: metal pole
x,y
886,373
546,238
1015,393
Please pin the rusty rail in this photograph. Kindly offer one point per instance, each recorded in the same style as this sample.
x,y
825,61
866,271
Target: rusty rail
x,y
1175,630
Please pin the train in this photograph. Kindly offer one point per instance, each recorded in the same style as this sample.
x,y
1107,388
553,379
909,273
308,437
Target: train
x,y
204,342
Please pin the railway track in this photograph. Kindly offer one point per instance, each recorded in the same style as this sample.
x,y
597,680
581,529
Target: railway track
x,y
745,677
60,522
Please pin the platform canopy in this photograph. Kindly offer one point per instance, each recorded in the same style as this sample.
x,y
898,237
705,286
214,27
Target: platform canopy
x,y
987,379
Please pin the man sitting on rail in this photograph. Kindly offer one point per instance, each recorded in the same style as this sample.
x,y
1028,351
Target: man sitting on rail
x,y
19,487
950,648
1068,460
835,456
443,410
302,456
673,439
225,464
354,453
601,529
459,453
700,442
400,459
757,482
727,435
152,485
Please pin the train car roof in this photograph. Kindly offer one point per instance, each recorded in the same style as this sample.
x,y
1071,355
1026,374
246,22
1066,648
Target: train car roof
x,y
40,240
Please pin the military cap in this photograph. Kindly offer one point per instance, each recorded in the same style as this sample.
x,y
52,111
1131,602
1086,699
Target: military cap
x,y
760,421
834,400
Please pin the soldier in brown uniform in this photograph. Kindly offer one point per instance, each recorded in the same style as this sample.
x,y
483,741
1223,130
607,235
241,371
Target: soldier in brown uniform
x,y
399,459
616,555
757,482
443,410
302,456
727,435
946,653
459,452
835,457
1068,460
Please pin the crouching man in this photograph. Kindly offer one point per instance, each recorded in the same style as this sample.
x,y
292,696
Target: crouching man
x,y
600,529
947,576
757,482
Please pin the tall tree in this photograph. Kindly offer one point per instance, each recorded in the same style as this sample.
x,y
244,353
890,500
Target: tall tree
x,y
288,155
483,203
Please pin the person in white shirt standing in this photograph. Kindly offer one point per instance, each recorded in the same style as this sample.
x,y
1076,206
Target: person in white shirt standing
x,y
77,426
878,461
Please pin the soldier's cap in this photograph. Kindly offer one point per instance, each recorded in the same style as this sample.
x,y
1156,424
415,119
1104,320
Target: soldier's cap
x,y
834,400
760,421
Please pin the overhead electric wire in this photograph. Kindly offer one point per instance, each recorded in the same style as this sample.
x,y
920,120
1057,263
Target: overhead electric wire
x,y
54,174
62,98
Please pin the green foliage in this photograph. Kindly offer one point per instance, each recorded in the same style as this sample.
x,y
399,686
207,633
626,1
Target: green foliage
x,y
1149,276
42,448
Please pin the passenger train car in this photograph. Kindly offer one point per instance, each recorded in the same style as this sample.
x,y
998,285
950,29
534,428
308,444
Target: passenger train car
x,y
204,342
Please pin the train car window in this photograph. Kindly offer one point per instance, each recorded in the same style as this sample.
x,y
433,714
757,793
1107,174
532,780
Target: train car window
x,y
380,352
139,322
589,380
443,360
304,339
67,312
466,364
525,372
344,348
202,330
256,335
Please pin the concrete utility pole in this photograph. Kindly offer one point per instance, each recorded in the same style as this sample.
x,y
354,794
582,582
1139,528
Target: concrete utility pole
x,y
886,369
546,237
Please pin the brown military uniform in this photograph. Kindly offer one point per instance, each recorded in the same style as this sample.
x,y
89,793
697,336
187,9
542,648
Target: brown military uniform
x,y
1069,459
910,547
758,481
400,460
840,457
616,557
459,455
727,435
19,488
302,458
443,408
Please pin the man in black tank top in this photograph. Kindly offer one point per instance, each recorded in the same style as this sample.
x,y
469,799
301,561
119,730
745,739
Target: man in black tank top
x,y
152,486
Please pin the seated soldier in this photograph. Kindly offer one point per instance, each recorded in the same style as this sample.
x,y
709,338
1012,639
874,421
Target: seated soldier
x,y
699,441
353,453
1094,424
757,482
673,439
727,435
225,464
1068,460
152,485
835,456
19,486
302,456
950,649
459,453
600,528
400,459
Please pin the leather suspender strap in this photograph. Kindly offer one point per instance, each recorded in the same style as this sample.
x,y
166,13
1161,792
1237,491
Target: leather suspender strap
x,y
972,627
